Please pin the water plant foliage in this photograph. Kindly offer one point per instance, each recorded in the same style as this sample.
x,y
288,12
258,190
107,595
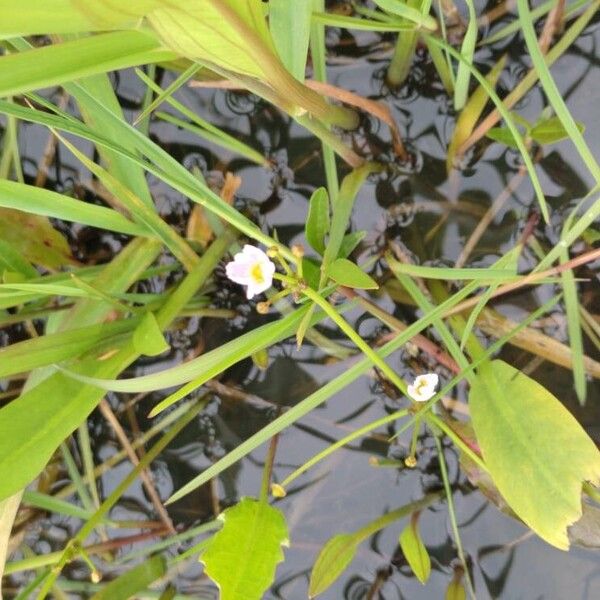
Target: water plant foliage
x,y
89,337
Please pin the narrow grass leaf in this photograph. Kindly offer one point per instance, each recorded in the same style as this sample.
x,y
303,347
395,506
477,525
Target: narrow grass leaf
x,y
553,93
38,201
467,50
136,580
401,9
471,112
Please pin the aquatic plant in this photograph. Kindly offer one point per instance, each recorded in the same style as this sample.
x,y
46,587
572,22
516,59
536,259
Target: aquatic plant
x,y
86,325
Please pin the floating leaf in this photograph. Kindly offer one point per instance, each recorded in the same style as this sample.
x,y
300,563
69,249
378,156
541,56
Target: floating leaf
x,y
317,223
414,550
346,273
241,558
537,453
148,339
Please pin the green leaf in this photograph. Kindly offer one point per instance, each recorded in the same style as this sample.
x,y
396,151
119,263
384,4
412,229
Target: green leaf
x,y
42,245
502,135
397,7
229,33
148,339
289,23
8,512
318,222
242,557
35,200
414,550
59,63
346,273
333,559
55,347
349,243
536,452
342,209
550,131
339,551
455,590
136,580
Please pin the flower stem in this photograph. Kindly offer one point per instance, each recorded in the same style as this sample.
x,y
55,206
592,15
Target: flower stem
x,y
360,343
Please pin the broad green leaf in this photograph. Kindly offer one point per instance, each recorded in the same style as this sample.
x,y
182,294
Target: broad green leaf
x,y
414,550
350,242
242,557
41,245
229,33
339,551
136,580
38,201
346,273
148,339
289,23
550,131
318,222
536,452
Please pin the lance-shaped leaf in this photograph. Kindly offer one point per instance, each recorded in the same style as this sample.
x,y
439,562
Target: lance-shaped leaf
x,y
536,452
346,273
414,549
242,557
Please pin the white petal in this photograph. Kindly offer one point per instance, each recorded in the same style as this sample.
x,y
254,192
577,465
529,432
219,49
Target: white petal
x,y
424,387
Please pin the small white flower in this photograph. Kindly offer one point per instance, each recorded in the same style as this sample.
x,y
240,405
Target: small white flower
x,y
253,268
423,387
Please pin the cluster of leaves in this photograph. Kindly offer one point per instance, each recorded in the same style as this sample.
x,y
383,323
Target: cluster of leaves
x,y
524,446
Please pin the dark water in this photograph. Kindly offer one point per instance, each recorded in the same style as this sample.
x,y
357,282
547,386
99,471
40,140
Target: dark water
x,y
344,492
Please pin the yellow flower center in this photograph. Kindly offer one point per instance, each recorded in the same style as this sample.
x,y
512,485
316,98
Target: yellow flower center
x,y
256,273
422,384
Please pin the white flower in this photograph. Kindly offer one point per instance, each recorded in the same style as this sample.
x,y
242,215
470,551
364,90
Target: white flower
x,y
253,268
423,387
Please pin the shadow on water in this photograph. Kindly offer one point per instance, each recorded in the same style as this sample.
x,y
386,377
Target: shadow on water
x,y
430,216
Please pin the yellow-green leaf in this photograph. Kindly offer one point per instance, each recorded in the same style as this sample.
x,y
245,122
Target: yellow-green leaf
x,y
346,273
148,339
536,452
414,550
318,221
34,238
332,561
241,558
